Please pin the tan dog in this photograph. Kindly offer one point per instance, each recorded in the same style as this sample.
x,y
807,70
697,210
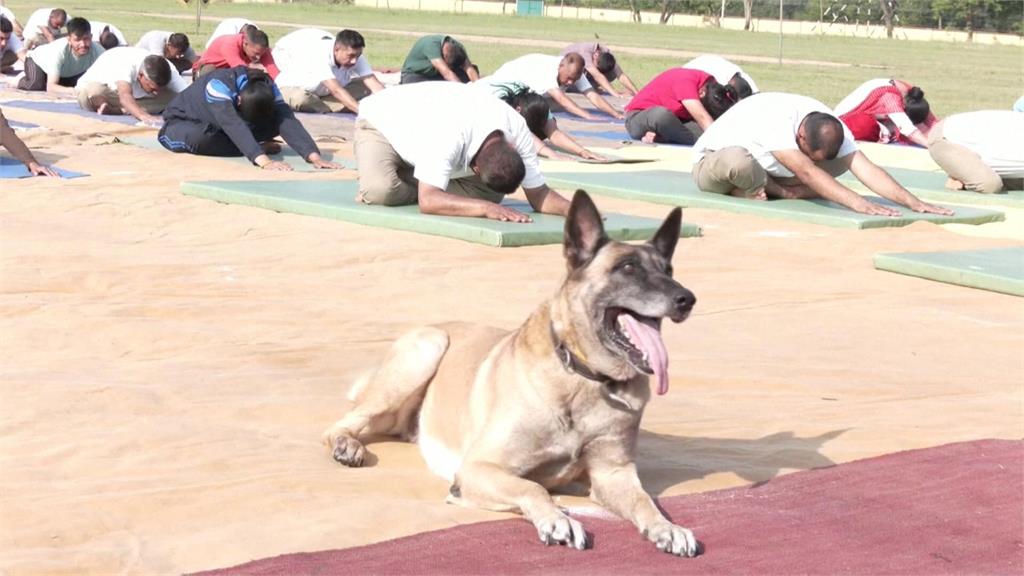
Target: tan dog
x,y
506,416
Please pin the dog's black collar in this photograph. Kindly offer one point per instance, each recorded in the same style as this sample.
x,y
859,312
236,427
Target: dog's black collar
x,y
573,364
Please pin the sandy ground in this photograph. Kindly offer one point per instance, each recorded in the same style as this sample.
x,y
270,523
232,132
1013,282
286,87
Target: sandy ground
x,y
169,363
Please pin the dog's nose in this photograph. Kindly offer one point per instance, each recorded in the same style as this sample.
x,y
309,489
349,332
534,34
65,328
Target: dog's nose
x,y
684,301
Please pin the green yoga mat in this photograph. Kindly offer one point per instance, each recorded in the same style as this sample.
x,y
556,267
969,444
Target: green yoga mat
x,y
287,155
336,199
998,270
677,188
931,186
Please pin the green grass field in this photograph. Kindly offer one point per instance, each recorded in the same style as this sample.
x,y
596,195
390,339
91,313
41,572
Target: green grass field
x,y
955,77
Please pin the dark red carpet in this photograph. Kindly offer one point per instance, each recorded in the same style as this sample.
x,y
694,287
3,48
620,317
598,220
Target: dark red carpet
x,y
955,509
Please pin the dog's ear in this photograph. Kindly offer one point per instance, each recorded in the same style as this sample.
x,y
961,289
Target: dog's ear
x,y
664,241
584,231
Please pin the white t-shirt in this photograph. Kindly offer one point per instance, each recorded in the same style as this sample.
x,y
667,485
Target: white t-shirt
x,y
722,69
97,29
39,18
123,64
306,60
13,43
995,135
855,98
227,27
442,141
764,123
538,71
155,40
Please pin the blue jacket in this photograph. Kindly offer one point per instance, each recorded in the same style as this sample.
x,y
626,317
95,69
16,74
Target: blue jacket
x,y
213,100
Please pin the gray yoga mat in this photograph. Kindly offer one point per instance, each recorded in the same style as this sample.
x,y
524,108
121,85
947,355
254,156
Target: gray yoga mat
x,y
287,155
998,269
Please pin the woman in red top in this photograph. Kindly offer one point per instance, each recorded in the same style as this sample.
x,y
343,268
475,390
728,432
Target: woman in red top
x,y
677,106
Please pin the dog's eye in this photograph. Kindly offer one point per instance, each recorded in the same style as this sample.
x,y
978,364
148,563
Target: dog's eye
x,y
627,267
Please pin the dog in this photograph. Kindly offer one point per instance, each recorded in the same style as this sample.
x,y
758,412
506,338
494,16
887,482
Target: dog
x,y
506,416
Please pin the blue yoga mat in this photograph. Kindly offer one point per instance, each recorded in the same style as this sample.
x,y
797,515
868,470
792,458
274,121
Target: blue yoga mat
x,y
601,118
616,135
22,125
11,168
69,108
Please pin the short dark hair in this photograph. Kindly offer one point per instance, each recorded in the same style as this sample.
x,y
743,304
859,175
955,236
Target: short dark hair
x,y
533,107
246,27
717,99
457,54
5,25
350,38
108,39
820,130
606,64
258,37
916,106
256,98
741,86
500,165
157,69
78,26
179,42
58,12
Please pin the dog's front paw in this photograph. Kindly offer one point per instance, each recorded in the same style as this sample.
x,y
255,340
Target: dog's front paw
x,y
674,539
348,451
560,529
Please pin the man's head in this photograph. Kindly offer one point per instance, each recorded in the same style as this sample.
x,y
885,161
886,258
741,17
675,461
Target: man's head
x,y
715,98
79,36
58,17
256,98
348,47
108,39
820,136
154,74
499,164
6,30
246,27
741,86
531,106
255,44
916,106
176,47
605,63
570,69
454,54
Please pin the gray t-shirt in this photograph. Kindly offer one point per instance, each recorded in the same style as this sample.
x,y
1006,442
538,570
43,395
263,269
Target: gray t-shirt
x,y
58,61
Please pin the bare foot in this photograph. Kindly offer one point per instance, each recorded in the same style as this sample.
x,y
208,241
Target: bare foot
x,y
271,147
649,138
758,194
954,184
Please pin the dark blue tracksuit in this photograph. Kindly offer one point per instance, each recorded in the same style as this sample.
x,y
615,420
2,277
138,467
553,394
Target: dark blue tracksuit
x,y
203,119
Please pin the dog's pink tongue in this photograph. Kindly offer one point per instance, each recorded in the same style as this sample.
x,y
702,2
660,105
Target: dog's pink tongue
x,y
648,340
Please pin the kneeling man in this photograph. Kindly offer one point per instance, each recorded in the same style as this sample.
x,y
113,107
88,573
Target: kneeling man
x,y
236,112
461,159
129,81
774,145
322,73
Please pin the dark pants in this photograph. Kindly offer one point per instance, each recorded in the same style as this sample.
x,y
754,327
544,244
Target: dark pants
x,y
414,77
180,135
35,79
666,125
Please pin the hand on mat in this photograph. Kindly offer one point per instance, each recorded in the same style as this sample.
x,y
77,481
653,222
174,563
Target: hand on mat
x,y
931,209
277,166
499,212
322,164
873,209
588,155
40,170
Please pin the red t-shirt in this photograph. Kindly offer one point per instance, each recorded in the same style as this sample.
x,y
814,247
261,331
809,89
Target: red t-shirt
x,y
669,89
226,52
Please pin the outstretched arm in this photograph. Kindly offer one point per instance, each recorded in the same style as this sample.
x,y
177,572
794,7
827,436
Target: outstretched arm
x,y
882,183
547,201
698,113
444,70
9,139
569,106
602,81
433,200
598,101
824,185
628,83
131,106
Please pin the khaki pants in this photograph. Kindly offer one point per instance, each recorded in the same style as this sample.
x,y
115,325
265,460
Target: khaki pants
x,y
91,95
386,179
302,100
727,169
962,164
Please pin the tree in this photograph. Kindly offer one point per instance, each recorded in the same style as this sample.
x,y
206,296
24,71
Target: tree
x,y
888,13
748,7
971,14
